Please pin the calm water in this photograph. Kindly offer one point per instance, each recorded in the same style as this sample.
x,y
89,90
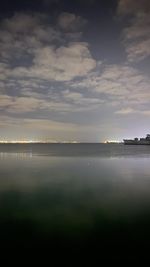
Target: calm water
x,y
75,197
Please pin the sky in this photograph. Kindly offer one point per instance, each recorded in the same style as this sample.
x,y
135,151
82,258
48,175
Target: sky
x,y
74,70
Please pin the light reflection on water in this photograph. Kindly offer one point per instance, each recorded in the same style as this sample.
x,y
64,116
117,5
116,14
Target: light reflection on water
x,y
103,179
74,196
4,155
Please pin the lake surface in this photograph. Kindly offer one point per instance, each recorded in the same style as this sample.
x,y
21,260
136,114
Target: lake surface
x,y
75,198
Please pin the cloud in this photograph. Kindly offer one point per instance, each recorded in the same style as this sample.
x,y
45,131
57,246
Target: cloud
x,y
5,101
137,38
32,102
32,48
35,54
118,86
81,101
70,22
138,51
22,23
4,71
133,6
129,111
64,63
61,64
137,34
2,86
22,34
126,111
19,104
112,80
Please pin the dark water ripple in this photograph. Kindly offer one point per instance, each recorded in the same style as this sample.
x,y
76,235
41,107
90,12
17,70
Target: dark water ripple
x,y
76,150
84,200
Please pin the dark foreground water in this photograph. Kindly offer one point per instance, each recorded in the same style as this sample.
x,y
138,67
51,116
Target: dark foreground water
x,y
62,201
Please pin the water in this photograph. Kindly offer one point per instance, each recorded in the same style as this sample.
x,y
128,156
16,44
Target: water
x,y
75,198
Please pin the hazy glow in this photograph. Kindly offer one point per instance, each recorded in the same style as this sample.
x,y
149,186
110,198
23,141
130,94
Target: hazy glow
x,y
112,141
34,141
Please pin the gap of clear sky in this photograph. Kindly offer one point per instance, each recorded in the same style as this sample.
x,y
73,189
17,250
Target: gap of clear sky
x,y
74,70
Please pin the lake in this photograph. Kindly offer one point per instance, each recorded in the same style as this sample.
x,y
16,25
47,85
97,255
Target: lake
x,y
77,198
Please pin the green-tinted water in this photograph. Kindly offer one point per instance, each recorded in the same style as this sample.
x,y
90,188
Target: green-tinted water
x,y
77,202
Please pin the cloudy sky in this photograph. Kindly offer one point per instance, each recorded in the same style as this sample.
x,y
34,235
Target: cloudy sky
x,y
74,70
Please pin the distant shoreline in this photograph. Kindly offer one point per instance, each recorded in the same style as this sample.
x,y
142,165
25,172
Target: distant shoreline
x,y
56,143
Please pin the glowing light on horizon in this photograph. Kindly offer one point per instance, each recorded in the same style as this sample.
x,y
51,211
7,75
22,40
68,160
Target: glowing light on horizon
x,y
34,141
112,141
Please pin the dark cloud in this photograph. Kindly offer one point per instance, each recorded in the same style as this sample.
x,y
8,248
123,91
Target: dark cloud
x,y
133,6
32,47
70,22
137,34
